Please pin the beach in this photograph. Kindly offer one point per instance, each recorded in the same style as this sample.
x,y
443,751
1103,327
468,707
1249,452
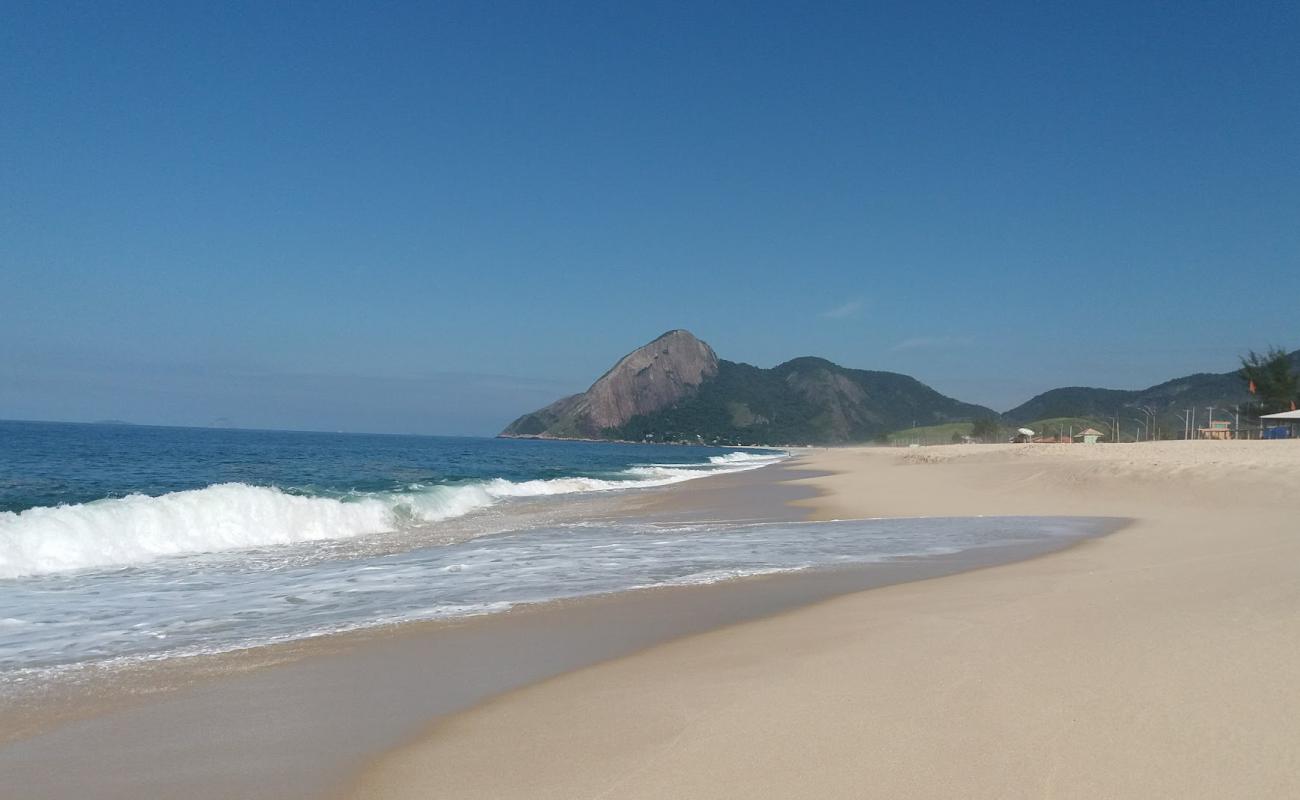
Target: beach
x,y
1146,649
540,401
302,717
1158,661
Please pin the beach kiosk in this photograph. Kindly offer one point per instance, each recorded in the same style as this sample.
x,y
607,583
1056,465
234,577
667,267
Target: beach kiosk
x,y
1219,429
1089,436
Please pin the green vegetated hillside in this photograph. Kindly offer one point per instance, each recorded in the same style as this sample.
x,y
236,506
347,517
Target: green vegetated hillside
x,y
675,389
807,400
1224,391
932,434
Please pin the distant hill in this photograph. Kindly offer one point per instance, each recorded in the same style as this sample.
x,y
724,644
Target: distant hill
x,y
1222,390
659,375
675,388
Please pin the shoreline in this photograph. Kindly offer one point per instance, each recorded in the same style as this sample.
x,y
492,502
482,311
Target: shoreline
x,y
1108,669
315,671
87,691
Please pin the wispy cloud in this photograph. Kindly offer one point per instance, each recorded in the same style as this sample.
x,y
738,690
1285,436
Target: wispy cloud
x,y
933,343
848,309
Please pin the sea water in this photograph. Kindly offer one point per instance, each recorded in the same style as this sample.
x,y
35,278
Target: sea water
x,y
78,497
121,543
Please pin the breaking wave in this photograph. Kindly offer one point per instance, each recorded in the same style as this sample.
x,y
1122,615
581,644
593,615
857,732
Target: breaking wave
x,y
233,516
741,457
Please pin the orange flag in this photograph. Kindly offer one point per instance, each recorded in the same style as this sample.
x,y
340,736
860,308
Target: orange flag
x,y
1252,387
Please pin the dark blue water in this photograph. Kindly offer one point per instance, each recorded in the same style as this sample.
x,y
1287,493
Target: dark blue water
x,y
122,543
78,497
49,464
122,540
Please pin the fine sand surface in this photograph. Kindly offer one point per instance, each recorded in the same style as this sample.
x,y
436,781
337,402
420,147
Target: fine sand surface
x,y
1161,661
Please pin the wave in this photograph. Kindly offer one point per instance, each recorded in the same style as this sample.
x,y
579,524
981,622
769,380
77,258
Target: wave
x,y
742,457
234,516
730,462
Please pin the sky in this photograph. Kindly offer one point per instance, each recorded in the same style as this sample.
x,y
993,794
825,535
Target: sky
x,y
433,217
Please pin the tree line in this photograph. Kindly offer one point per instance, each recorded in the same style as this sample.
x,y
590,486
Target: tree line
x,y
1272,381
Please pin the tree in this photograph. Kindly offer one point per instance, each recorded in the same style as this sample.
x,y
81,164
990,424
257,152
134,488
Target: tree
x,y
1276,385
986,428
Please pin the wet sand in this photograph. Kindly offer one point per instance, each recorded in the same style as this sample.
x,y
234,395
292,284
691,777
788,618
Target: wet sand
x,y
1156,662
35,706
299,720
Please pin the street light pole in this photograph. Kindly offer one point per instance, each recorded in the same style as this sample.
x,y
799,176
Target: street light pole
x,y
1142,431
1151,429
1109,433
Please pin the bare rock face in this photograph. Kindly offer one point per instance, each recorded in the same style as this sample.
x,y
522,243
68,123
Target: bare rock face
x,y
650,378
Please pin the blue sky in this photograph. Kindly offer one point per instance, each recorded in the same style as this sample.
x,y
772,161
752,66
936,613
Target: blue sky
x,y
433,217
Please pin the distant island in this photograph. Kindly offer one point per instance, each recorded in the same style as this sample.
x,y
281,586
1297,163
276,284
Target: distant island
x,y
676,389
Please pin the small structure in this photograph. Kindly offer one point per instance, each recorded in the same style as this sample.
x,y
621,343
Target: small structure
x,y
1089,436
1284,427
1219,429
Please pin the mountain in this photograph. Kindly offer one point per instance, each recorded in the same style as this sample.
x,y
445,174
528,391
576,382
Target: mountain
x,y
659,375
676,388
1222,390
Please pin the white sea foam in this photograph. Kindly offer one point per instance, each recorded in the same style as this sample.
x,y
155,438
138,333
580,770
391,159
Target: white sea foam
x,y
742,457
233,516
216,603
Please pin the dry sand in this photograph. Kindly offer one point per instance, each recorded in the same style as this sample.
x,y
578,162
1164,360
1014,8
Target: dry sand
x,y
1161,661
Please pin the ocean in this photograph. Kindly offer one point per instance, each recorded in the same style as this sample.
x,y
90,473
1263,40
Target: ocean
x,y
121,544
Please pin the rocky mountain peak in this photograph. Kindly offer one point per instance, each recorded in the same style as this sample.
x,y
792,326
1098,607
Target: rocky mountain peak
x,y
653,377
